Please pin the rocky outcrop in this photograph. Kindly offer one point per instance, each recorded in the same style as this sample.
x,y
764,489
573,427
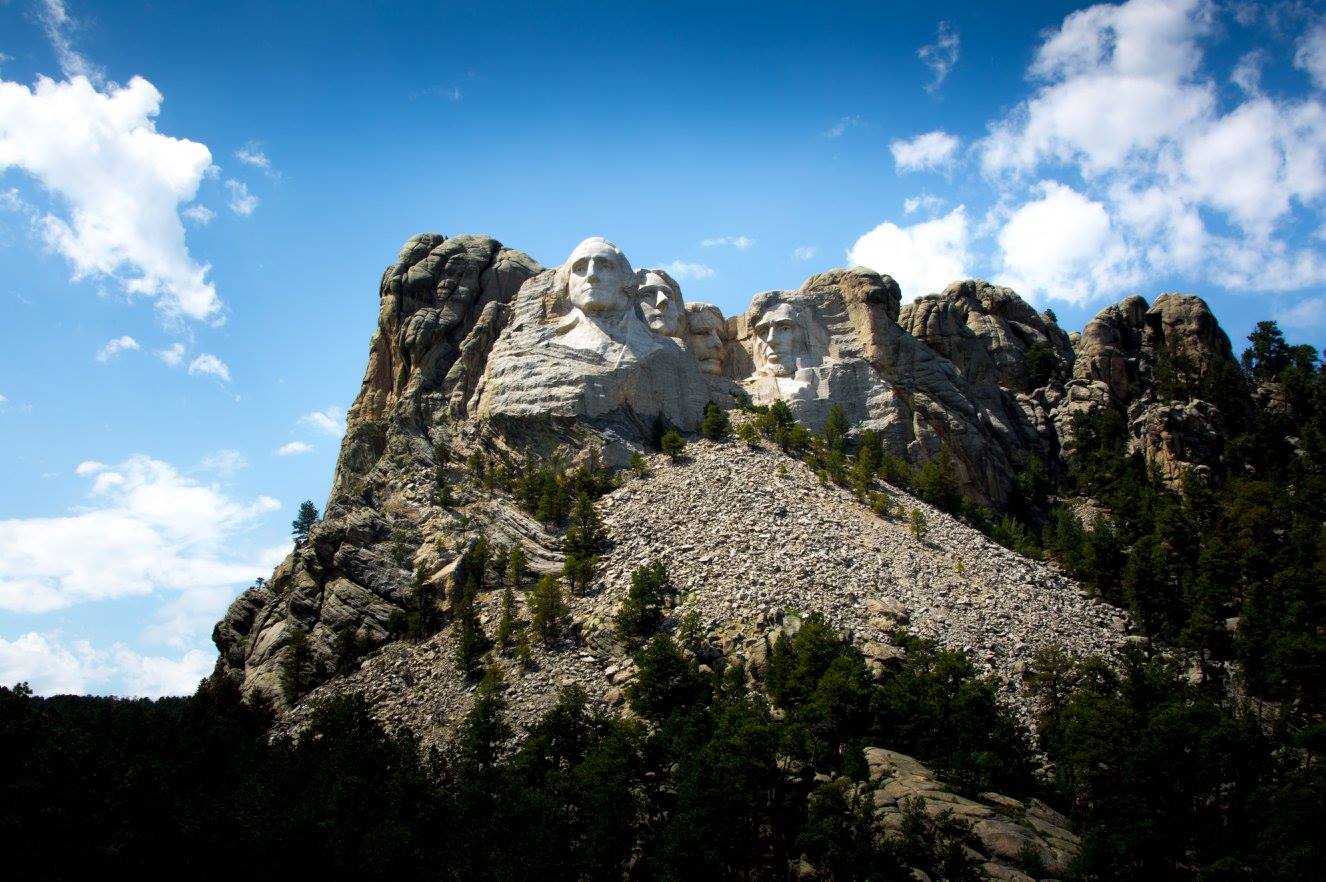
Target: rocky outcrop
x,y
987,332
1154,364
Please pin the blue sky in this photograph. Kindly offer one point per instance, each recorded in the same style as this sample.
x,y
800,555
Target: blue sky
x,y
197,201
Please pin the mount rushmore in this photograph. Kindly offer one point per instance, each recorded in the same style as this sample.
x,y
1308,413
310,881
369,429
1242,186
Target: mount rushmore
x,y
479,348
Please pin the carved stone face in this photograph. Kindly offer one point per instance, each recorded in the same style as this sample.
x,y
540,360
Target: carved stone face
x,y
704,325
599,278
661,305
779,339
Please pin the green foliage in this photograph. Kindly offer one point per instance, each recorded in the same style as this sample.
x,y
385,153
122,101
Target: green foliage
x,y
672,444
938,483
584,537
516,566
666,681
642,609
296,672
748,434
639,465
836,427
716,426
548,609
506,622
918,523
304,521
1042,363
469,640
549,492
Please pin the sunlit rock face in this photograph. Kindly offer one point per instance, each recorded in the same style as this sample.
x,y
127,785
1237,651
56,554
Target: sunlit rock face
x,y
836,340
579,346
661,304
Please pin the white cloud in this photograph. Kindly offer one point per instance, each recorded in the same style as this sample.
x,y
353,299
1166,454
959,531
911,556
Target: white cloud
x,y
681,270
200,214
838,129
1308,313
225,462
741,243
147,528
935,149
56,22
1124,99
1310,55
241,201
331,419
941,55
805,252
925,201
922,257
252,154
211,365
173,355
294,448
1062,246
99,156
51,667
115,347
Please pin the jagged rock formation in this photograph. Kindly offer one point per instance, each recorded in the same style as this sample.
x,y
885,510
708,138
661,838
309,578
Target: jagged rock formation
x,y
1153,364
478,348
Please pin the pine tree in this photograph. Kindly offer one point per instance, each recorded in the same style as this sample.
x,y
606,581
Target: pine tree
x,y
506,625
642,609
919,526
515,566
673,444
547,609
836,427
583,538
716,425
307,517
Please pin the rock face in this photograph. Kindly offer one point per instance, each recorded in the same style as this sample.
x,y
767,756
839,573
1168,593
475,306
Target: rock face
x,y
1136,358
480,349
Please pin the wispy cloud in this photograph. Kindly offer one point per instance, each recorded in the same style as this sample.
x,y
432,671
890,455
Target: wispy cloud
x,y
932,150
253,154
210,365
805,252
838,129
741,243
241,201
330,420
115,347
294,448
680,269
58,25
172,355
923,202
200,214
941,55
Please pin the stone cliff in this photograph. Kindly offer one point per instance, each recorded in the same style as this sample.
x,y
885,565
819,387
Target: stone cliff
x,y
485,366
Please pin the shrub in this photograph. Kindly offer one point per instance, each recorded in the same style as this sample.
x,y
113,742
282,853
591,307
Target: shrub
x,y
548,609
673,444
716,425
642,609
918,524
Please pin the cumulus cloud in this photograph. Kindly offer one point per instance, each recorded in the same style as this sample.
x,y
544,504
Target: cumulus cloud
x,y
115,347
330,420
805,252
941,55
1123,98
241,201
680,269
146,528
116,185
51,667
931,150
294,448
172,355
1063,246
923,257
741,243
210,365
